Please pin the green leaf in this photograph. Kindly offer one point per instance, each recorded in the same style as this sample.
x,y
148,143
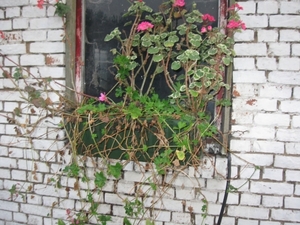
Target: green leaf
x,y
180,155
192,54
176,65
100,179
153,50
126,221
60,222
115,170
158,58
226,60
108,37
149,222
194,93
212,51
169,44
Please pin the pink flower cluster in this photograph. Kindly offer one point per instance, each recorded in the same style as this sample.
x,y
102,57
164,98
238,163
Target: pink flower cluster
x,y
144,26
179,3
102,97
233,24
207,19
40,4
235,6
2,35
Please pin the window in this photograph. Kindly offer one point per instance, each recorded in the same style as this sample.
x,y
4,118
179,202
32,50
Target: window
x,y
95,19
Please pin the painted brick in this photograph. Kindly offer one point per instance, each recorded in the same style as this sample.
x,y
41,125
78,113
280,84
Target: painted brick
x,y
269,223
8,162
290,162
248,212
292,148
244,90
5,215
268,119
18,175
5,25
250,199
30,165
20,23
47,47
185,193
288,135
285,215
296,121
33,35
13,59
275,91
285,21
271,188
289,64
296,92
55,59
244,63
51,10
240,145
249,173
254,104
213,209
253,132
4,173
181,218
255,159
251,49
13,49
264,63
291,203
292,78
228,220
249,77
48,190
46,23
295,49
35,219
267,7
1,14
55,35
268,147
12,12
233,198
292,7
9,3
20,217
213,184
32,60
273,174
126,187
30,11
12,206
254,21
3,151
34,199
244,36
289,35
249,7
279,49
297,189
247,222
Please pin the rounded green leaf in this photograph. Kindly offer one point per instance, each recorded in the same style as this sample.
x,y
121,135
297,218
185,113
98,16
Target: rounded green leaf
x,y
180,155
153,50
176,65
158,57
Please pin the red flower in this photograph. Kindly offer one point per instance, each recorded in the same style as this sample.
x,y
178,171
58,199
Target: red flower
x,y
2,35
208,17
40,4
235,6
203,30
179,3
144,26
233,24
209,28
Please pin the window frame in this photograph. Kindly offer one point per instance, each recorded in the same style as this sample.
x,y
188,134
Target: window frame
x,y
75,25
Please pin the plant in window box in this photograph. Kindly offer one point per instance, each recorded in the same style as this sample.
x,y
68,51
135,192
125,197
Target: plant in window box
x,y
187,56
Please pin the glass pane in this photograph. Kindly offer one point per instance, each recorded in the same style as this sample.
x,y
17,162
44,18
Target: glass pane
x,y
102,16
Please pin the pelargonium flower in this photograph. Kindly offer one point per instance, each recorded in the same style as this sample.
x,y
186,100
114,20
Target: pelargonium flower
x,y
233,24
102,97
203,30
40,4
208,17
144,26
2,35
209,28
235,6
179,3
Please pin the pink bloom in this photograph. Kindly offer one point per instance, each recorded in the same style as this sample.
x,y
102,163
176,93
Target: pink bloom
x,y
102,97
179,3
209,28
203,30
144,26
235,6
208,17
68,211
233,24
2,35
40,3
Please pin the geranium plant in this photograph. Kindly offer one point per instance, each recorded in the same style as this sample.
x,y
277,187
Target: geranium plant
x,y
182,50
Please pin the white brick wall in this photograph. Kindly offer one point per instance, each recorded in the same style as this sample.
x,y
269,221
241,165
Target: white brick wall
x,y
265,129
